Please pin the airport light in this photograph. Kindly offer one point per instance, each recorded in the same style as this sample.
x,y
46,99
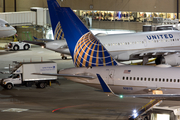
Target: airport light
x,y
135,114
121,96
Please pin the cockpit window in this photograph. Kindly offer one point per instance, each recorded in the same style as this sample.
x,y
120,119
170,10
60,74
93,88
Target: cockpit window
x,y
7,25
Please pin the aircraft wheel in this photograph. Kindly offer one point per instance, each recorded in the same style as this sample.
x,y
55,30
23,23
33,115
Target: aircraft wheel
x,y
9,86
26,47
64,57
16,47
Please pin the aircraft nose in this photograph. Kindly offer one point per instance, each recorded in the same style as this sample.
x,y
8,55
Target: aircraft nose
x,y
14,31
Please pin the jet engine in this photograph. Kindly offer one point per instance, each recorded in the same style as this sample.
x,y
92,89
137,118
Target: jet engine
x,y
173,59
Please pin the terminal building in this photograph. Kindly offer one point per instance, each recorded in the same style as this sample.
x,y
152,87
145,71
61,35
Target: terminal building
x,y
101,14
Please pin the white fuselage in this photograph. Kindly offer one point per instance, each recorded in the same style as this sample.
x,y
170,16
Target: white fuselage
x,y
130,79
6,30
131,45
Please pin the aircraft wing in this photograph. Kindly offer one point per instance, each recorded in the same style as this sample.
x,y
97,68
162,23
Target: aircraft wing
x,y
107,89
65,75
153,53
35,43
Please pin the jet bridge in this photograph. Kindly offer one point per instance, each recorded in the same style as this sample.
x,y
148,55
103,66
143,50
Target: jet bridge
x,y
143,110
37,16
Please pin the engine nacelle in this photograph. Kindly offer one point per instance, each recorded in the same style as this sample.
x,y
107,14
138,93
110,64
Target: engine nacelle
x,y
173,59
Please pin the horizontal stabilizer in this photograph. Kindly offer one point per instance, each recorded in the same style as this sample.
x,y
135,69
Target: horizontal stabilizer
x,y
41,39
35,43
65,75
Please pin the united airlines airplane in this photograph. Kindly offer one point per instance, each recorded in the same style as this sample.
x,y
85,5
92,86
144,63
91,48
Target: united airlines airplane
x,y
5,29
139,81
163,45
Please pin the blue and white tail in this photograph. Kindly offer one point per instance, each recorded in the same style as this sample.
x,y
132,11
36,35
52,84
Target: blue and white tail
x,y
56,26
85,48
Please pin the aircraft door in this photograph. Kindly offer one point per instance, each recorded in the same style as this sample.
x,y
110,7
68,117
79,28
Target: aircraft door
x,y
111,77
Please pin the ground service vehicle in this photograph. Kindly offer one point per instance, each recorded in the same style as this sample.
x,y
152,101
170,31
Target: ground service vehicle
x,y
21,74
18,46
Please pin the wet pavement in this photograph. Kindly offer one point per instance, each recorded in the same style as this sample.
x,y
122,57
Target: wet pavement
x,y
68,101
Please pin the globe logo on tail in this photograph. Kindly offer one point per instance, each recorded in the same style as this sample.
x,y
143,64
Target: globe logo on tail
x,y
90,52
58,32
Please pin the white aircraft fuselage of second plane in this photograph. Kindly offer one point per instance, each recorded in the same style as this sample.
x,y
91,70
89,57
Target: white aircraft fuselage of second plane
x,y
130,79
132,46
6,30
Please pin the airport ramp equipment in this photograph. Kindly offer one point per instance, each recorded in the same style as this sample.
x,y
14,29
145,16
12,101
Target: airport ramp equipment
x,y
143,110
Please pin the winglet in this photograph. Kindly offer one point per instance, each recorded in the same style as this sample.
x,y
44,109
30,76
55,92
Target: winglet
x,y
104,85
35,37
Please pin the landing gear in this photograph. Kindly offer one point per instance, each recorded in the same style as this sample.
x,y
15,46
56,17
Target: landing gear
x,y
145,60
64,57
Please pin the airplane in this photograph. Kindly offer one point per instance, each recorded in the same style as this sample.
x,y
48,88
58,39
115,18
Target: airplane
x,y
162,45
94,63
6,30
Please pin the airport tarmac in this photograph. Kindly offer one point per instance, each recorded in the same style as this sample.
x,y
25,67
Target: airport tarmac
x,y
68,101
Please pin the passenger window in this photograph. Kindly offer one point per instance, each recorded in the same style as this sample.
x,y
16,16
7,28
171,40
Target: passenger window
x,y
170,80
152,79
137,78
167,80
126,78
123,78
159,79
148,79
163,79
130,78
134,78
174,80
178,80
156,79
144,79
141,78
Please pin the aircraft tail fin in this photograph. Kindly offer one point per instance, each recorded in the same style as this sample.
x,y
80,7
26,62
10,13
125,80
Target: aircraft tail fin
x,y
56,26
85,48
